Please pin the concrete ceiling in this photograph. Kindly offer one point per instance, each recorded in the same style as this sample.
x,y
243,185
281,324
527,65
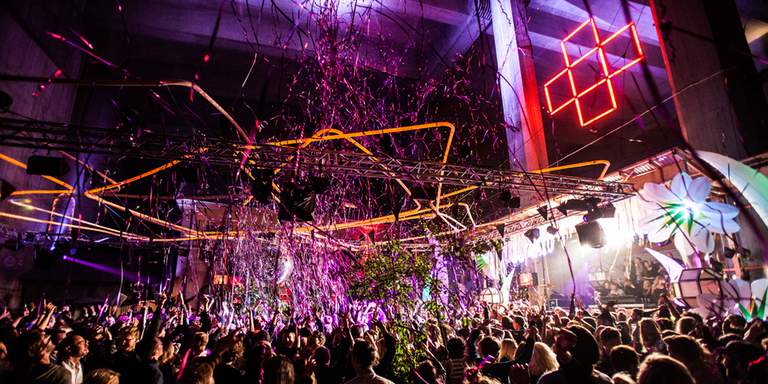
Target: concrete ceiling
x,y
407,38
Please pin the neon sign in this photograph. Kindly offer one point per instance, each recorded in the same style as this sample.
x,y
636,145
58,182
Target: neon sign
x,y
606,74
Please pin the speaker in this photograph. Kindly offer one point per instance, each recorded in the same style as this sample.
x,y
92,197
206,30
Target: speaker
x,y
47,166
591,234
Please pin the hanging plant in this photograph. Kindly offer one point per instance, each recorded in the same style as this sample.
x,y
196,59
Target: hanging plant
x,y
391,274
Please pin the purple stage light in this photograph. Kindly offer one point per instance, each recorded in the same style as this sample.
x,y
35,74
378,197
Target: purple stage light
x,y
102,268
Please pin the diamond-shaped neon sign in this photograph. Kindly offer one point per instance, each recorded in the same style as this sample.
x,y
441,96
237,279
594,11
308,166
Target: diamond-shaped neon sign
x,y
606,73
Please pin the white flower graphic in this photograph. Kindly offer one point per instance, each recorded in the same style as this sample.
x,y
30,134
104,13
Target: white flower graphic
x,y
682,209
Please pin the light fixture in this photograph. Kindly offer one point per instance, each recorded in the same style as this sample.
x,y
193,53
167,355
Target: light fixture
x,y
297,202
261,186
603,212
510,200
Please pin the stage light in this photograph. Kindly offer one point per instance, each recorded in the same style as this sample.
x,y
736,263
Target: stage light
x,y
320,185
261,186
5,102
604,212
509,200
551,230
6,189
47,166
532,234
584,204
591,234
543,211
729,253
296,202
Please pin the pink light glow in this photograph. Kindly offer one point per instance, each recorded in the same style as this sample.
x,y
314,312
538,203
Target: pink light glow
x,y
607,74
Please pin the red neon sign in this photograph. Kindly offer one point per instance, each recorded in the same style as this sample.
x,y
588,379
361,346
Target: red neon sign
x,y
607,73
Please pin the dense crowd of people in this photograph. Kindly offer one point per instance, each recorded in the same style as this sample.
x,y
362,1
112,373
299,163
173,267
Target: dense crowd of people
x,y
168,342
646,282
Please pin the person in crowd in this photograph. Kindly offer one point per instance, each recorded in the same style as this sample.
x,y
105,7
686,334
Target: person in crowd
x,y
650,336
577,353
543,360
102,376
363,359
519,343
456,365
624,359
32,355
71,350
695,357
508,350
660,369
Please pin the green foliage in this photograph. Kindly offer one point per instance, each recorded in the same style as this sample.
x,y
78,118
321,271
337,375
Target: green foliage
x,y
392,275
410,351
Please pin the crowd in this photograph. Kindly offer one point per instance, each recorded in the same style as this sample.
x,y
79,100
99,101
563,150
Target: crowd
x,y
647,281
169,342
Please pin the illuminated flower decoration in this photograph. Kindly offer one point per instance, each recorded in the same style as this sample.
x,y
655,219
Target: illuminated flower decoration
x,y
682,210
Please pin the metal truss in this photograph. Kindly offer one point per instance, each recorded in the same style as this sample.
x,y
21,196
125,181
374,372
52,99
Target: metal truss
x,y
218,152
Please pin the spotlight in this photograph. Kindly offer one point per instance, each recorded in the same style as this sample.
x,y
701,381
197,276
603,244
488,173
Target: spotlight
x,y
509,200
320,185
729,253
606,211
5,102
297,202
551,230
6,189
578,205
591,234
47,166
543,211
532,234
261,186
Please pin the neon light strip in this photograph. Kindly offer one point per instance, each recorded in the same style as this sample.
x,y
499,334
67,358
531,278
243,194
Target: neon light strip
x,y
603,61
135,178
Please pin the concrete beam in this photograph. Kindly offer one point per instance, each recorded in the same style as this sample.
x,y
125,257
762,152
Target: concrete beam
x,y
195,25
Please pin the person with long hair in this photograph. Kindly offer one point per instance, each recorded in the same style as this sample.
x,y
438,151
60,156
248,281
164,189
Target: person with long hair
x,y
543,360
508,350
650,336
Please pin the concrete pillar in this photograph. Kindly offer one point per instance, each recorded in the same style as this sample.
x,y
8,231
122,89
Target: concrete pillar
x,y
719,100
517,83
